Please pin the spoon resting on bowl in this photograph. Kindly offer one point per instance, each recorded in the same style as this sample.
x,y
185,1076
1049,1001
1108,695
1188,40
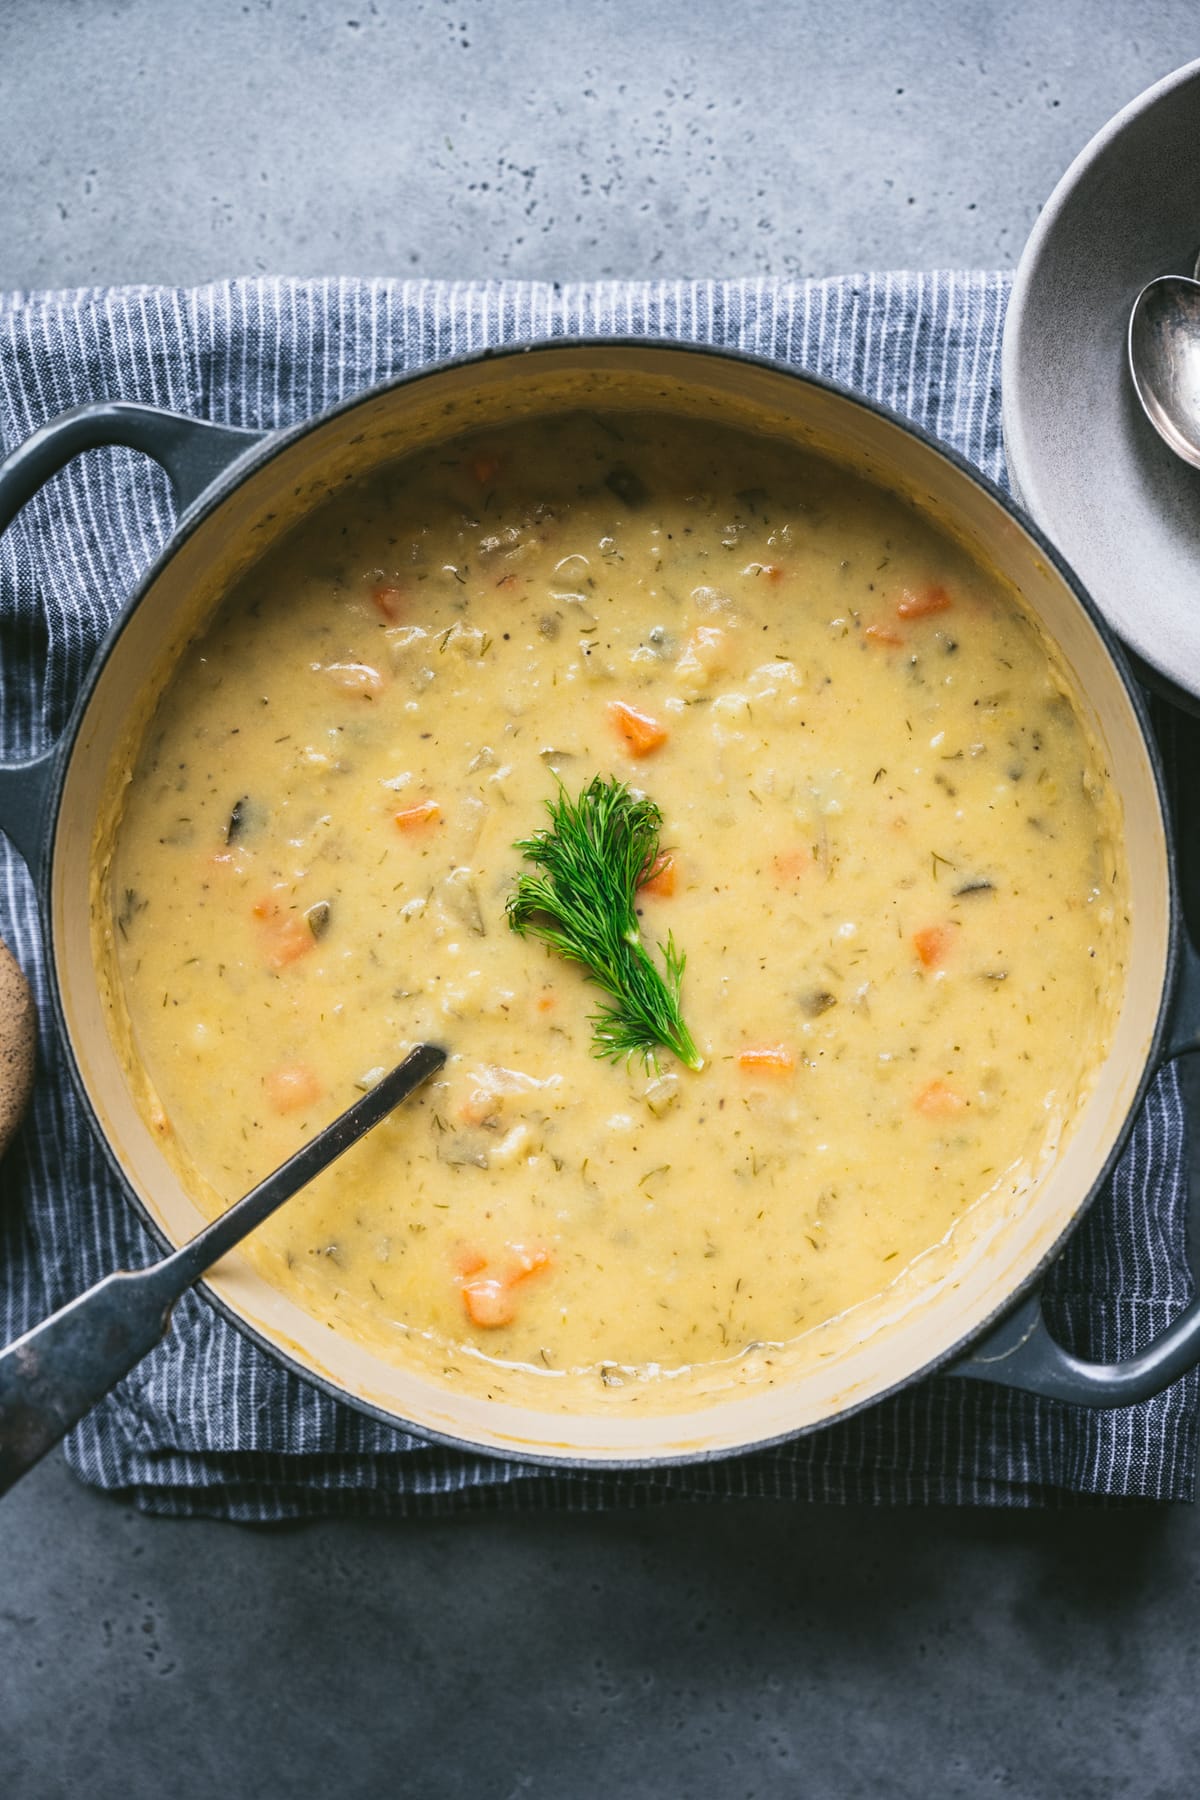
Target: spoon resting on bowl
x,y
54,1374
1164,360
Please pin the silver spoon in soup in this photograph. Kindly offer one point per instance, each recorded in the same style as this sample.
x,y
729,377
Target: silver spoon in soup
x,y
54,1374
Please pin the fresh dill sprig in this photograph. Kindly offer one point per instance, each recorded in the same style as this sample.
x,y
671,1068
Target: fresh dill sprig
x,y
594,857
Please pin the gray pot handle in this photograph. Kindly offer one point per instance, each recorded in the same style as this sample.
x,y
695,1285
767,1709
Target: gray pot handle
x,y
193,453
1020,1352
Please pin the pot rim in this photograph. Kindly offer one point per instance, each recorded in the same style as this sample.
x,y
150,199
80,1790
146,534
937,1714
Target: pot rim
x,y
274,443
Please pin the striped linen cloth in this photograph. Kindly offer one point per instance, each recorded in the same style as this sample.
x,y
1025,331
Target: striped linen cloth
x,y
207,1423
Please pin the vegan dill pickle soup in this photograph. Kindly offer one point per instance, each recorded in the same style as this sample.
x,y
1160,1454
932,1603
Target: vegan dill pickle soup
x,y
887,851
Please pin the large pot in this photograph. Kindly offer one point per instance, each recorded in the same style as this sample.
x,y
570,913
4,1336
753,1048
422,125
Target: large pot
x,y
240,492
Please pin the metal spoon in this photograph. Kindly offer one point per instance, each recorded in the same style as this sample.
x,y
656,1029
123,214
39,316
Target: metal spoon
x,y
55,1373
1164,360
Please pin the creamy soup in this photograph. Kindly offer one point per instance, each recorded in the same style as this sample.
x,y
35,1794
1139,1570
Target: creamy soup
x,y
888,853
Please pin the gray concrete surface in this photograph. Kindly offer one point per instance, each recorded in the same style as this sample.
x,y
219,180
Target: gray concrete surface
x,y
753,1650
734,1652
153,140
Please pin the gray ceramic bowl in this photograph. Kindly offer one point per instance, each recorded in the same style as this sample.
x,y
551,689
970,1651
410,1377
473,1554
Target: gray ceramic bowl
x,y
1123,510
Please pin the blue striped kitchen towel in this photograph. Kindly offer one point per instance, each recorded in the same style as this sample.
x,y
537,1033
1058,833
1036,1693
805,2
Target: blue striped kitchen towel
x,y
208,1423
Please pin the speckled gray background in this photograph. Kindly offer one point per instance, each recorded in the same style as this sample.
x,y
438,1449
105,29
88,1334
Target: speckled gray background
x,y
735,1651
155,140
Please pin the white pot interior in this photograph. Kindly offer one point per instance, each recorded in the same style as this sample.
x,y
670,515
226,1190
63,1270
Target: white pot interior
x,y
854,1360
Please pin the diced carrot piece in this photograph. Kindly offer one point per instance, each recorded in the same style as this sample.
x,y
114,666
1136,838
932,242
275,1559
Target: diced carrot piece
x,y
291,938
413,818
879,634
923,605
641,733
528,1259
774,572
932,944
489,1298
767,1059
790,865
938,1100
469,1261
389,600
546,1002
488,1301
660,878
291,1087
287,936
485,469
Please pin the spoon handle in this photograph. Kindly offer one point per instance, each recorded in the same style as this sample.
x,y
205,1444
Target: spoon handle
x,y
55,1373
58,1371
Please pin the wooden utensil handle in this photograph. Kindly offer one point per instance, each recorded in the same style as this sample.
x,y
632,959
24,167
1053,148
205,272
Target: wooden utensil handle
x,y
18,1036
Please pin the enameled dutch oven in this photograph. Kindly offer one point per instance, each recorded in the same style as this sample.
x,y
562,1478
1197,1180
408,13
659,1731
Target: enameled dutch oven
x,y
238,493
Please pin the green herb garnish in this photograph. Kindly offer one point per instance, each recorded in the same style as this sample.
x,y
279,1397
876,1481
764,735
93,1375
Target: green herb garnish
x,y
595,856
